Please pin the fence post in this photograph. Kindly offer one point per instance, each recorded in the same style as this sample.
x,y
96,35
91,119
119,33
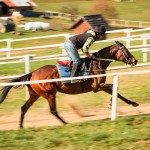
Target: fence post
x,y
8,48
128,35
27,64
144,56
144,41
114,97
27,70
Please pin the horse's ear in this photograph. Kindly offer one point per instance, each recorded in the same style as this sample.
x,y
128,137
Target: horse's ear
x,y
116,42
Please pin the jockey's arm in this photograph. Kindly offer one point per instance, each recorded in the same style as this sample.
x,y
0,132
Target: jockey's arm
x,y
87,45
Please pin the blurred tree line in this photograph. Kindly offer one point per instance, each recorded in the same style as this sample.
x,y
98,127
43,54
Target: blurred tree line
x,y
103,7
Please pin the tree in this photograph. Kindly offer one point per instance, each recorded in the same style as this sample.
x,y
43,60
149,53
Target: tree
x,y
105,8
71,9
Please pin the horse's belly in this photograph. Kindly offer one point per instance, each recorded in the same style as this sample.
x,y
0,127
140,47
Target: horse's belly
x,y
75,88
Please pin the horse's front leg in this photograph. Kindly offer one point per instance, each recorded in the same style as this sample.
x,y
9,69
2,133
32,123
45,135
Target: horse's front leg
x,y
108,89
52,103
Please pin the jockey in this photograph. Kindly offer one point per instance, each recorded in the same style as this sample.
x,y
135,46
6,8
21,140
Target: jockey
x,y
82,41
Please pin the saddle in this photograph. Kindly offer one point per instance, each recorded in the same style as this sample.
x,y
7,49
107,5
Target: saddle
x,y
64,68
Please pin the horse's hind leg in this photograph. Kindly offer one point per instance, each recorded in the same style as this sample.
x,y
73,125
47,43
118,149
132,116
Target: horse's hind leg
x,y
109,91
134,104
26,106
52,103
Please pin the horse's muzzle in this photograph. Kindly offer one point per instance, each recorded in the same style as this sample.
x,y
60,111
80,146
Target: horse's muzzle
x,y
133,62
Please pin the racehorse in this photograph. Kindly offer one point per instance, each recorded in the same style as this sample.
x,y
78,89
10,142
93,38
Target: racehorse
x,y
48,90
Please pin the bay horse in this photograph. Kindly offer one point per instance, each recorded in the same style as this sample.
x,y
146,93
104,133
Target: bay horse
x,y
48,90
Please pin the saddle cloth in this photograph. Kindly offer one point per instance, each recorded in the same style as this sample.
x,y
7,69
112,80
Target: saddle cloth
x,y
64,69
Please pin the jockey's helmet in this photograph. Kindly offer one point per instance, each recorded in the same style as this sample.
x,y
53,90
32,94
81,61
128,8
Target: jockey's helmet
x,y
100,29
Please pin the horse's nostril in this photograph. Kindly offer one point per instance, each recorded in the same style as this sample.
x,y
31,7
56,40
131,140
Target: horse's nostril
x,y
135,62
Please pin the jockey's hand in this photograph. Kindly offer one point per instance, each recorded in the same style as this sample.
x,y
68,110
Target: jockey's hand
x,y
87,54
92,57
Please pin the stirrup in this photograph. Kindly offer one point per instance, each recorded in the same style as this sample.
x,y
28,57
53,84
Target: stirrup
x,y
77,81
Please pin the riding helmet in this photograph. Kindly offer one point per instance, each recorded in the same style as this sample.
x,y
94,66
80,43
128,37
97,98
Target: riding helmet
x,y
100,29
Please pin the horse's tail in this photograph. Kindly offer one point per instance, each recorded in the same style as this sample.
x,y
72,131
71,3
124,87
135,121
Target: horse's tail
x,y
6,89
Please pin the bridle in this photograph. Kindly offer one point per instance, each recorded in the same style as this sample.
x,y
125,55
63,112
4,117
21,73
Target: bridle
x,y
121,48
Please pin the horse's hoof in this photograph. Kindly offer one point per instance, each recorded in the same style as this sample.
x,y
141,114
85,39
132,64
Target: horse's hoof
x,y
64,122
135,104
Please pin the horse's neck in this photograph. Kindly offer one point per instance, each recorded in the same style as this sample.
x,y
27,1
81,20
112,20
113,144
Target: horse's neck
x,y
102,64
106,53
105,64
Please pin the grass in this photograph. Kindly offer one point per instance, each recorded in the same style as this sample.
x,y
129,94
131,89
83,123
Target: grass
x,y
135,11
125,133
83,5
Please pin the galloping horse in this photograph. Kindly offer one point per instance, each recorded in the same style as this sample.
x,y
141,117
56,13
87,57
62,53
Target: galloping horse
x,y
48,90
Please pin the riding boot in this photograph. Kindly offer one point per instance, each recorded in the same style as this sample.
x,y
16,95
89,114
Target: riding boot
x,y
74,73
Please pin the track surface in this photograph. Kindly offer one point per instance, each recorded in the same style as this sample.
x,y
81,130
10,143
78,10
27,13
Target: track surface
x,y
37,120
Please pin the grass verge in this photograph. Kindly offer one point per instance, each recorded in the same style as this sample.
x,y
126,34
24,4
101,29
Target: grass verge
x,y
124,133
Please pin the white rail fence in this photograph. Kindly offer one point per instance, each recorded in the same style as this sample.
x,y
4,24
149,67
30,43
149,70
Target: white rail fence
x,y
115,85
145,48
128,23
9,42
112,22
27,59
127,39
27,67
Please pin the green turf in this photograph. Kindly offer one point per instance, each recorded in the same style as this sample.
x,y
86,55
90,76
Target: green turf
x,y
137,10
123,134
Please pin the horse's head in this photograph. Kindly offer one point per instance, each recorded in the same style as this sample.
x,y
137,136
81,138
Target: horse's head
x,y
124,55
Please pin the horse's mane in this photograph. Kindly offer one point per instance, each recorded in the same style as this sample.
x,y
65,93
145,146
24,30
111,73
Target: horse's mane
x,y
103,51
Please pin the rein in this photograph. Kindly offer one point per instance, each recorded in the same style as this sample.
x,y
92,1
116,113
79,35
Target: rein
x,y
104,59
96,56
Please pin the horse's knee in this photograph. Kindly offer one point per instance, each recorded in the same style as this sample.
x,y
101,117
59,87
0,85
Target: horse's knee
x,y
23,110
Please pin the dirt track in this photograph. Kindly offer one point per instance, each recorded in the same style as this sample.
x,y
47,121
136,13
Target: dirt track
x,y
34,120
